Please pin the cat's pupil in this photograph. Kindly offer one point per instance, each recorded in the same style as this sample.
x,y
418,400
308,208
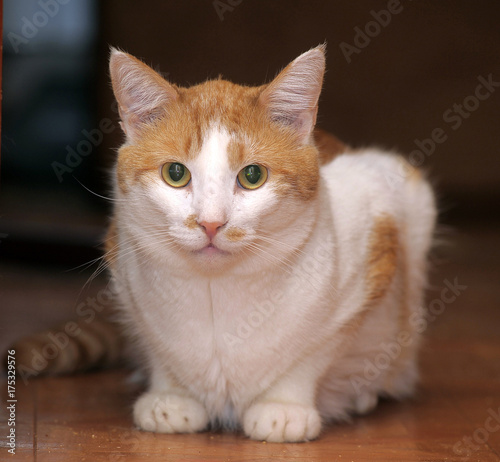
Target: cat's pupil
x,y
253,173
176,171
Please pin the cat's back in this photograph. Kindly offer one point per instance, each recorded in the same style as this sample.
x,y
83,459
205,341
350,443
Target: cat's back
x,y
372,182
372,194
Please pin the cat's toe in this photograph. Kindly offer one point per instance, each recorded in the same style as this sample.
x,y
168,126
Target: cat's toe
x,y
365,402
165,413
279,423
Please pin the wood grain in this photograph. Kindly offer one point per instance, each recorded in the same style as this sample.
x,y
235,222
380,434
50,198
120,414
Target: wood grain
x,y
88,417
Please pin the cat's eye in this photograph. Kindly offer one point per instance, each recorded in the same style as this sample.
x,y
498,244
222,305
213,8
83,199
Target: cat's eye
x,y
252,176
175,174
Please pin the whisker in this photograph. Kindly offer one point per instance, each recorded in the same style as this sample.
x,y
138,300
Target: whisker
x,y
288,258
98,195
283,245
104,259
312,279
85,265
269,257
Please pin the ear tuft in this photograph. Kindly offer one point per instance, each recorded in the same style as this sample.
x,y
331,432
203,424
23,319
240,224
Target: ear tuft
x,y
143,95
292,97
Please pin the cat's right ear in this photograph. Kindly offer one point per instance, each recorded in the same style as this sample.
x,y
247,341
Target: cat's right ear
x,y
291,99
142,94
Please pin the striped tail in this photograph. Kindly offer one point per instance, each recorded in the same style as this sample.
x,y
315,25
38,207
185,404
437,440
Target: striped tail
x,y
73,346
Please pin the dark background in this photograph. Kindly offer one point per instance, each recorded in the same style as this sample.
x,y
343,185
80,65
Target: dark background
x,y
393,93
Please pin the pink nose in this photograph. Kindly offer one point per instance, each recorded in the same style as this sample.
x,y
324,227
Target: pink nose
x,y
211,228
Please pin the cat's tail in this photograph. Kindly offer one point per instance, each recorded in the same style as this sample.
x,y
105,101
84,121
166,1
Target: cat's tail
x,y
73,346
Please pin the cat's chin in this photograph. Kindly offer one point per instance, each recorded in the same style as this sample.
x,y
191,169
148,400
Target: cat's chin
x,y
211,254
211,260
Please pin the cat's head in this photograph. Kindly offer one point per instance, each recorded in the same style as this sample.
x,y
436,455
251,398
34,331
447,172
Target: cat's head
x,y
217,173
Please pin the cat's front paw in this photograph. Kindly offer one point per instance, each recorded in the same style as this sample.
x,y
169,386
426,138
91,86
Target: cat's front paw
x,y
166,413
365,402
280,423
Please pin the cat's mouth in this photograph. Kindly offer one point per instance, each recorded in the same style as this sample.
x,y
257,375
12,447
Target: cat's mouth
x,y
211,250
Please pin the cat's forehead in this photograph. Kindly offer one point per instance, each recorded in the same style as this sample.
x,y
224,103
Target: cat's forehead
x,y
224,121
233,107
221,94
226,116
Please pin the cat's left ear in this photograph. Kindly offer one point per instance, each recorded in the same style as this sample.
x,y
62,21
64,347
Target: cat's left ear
x,y
292,97
142,94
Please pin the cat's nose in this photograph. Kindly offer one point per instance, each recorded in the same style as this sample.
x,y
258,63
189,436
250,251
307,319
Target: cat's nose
x,y
211,228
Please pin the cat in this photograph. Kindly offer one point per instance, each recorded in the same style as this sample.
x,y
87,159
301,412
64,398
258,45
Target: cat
x,y
270,277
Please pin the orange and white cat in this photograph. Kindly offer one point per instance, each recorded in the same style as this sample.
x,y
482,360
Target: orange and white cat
x,y
257,283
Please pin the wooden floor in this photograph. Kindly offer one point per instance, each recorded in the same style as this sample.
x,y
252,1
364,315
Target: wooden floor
x,y
454,417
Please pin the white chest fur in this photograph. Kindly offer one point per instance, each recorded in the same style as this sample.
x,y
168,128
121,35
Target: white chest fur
x,y
228,337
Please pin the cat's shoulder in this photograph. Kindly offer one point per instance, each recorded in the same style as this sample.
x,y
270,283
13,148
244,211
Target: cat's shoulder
x,y
372,169
364,184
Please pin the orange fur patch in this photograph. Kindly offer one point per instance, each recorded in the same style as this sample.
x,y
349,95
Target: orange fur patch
x,y
415,175
329,146
351,329
178,137
235,234
404,324
382,257
293,168
191,222
411,173
98,343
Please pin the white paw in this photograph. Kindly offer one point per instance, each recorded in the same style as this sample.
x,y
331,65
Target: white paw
x,y
279,423
365,402
165,413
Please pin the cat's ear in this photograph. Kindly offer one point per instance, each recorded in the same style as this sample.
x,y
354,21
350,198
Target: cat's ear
x,y
292,97
142,94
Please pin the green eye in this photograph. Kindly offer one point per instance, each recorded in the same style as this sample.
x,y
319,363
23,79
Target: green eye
x,y
175,174
252,176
